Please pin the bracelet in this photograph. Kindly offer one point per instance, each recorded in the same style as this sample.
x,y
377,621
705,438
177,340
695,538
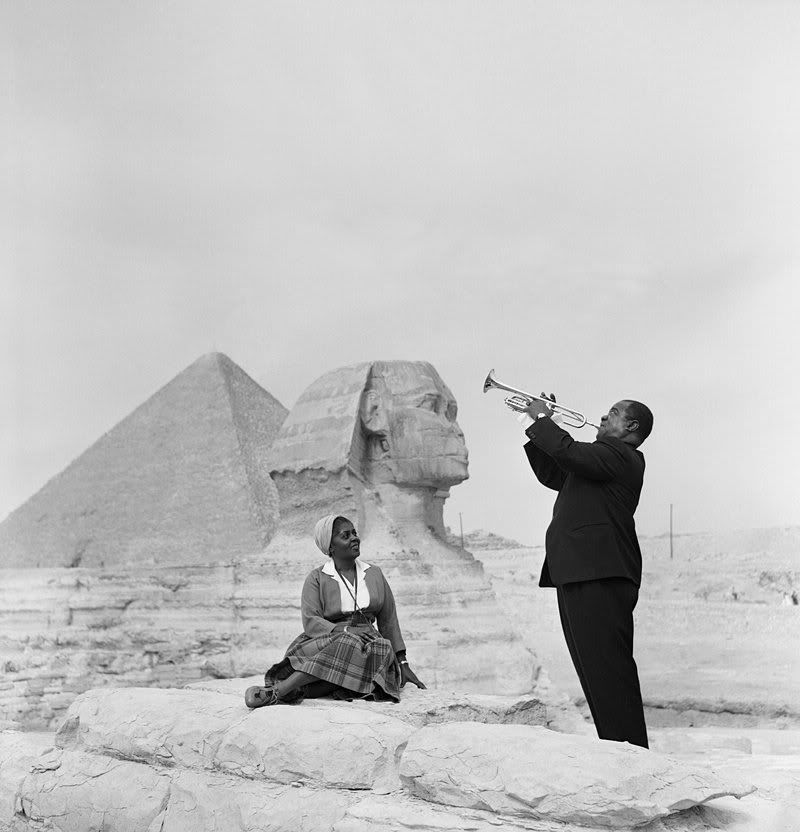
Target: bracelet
x,y
403,661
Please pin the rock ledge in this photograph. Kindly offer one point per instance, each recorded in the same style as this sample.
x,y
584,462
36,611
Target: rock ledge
x,y
174,760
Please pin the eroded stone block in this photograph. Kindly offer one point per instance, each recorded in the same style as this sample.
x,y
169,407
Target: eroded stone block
x,y
75,792
427,707
530,772
342,747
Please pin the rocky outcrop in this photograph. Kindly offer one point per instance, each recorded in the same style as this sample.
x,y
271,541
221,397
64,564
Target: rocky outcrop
x,y
180,760
180,480
18,754
68,630
535,773
545,707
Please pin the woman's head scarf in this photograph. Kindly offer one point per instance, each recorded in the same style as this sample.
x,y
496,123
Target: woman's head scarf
x,y
323,532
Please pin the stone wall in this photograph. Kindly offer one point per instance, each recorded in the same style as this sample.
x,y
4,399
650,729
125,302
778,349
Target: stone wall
x,y
67,630
63,631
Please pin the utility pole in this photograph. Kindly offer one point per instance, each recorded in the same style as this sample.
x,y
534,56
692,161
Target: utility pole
x,y
670,531
461,525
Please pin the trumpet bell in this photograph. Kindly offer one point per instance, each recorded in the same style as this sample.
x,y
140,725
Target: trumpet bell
x,y
519,401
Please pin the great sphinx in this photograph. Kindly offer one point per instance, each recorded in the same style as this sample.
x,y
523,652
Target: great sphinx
x,y
379,442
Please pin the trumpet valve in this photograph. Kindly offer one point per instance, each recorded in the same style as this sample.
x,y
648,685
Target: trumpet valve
x,y
518,403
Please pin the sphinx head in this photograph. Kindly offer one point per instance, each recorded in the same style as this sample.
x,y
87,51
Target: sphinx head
x,y
408,421
383,430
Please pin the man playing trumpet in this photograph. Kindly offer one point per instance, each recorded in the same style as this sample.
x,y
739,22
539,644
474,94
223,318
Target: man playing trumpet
x,y
592,554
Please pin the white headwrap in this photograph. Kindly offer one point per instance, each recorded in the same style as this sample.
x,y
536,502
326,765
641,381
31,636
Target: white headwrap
x,y
323,532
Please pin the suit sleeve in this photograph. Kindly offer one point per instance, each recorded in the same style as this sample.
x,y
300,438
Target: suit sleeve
x,y
314,621
600,460
547,470
388,625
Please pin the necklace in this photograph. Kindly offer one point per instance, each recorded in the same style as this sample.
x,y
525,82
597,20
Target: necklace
x,y
347,586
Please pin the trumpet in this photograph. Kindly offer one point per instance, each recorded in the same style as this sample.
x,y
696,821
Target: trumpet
x,y
519,400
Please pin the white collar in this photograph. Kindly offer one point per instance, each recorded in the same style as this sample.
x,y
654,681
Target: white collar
x,y
330,569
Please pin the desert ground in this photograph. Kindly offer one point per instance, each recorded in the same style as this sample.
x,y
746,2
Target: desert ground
x,y
718,651
717,632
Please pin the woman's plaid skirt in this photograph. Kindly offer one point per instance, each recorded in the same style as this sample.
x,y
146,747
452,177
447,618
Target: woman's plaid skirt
x,y
344,660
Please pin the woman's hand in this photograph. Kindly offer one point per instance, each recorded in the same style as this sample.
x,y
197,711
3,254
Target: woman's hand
x,y
408,675
366,632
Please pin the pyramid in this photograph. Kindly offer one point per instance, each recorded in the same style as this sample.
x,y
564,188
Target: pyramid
x,y
182,479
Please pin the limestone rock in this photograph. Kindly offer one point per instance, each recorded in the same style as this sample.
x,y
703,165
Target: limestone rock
x,y
401,813
338,748
198,761
182,479
18,752
68,630
429,707
331,748
72,791
203,802
687,743
530,772
80,792
159,727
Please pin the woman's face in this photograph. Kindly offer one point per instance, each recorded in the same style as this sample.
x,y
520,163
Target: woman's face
x,y
345,544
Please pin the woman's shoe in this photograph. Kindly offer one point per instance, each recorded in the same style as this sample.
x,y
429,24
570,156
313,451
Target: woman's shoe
x,y
258,697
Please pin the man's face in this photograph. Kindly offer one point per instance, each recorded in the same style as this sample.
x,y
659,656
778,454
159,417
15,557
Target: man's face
x,y
615,423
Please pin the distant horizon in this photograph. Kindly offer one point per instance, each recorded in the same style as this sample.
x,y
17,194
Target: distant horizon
x,y
639,534
448,512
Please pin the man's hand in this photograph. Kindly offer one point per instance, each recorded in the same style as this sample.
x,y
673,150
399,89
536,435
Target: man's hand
x,y
537,407
408,675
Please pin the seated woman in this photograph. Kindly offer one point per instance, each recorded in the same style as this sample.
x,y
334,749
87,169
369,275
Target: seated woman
x,y
340,651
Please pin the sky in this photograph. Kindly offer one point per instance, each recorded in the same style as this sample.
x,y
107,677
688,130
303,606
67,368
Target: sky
x,y
596,199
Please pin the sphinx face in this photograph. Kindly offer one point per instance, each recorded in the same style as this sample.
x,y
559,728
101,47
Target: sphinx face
x,y
409,418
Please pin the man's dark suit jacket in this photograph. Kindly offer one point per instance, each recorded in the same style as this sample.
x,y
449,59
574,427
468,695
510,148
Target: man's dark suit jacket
x,y
592,534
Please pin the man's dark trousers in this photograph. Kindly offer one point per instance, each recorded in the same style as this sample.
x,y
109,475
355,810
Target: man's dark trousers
x,y
597,619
